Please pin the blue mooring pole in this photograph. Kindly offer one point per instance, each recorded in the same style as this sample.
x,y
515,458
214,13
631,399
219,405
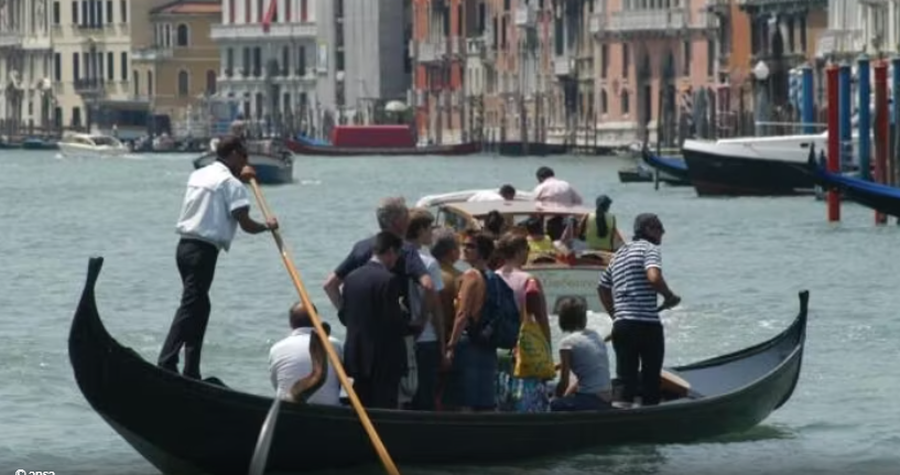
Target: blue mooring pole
x,y
865,118
807,99
846,112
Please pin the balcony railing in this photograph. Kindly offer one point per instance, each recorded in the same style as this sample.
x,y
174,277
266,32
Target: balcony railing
x,y
647,21
563,66
89,86
152,53
9,39
524,16
255,31
431,51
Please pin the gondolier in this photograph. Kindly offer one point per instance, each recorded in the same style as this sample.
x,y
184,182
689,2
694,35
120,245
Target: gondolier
x,y
628,289
214,204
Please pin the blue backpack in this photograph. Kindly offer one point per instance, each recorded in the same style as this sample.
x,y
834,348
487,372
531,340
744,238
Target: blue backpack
x,y
499,324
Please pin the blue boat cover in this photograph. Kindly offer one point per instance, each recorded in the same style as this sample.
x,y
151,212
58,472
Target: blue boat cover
x,y
860,184
671,162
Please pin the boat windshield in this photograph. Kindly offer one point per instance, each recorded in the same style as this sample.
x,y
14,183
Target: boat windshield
x,y
100,141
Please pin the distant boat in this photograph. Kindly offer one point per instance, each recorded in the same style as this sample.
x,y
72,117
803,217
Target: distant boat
x,y
672,171
35,143
364,140
75,144
273,164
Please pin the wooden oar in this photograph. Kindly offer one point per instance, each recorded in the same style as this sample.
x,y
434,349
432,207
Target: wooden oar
x,y
265,437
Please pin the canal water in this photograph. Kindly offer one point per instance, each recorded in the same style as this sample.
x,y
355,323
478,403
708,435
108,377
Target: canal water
x,y
737,263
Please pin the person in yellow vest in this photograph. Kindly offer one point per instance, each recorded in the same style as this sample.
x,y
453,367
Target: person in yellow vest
x,y
539,244
599,231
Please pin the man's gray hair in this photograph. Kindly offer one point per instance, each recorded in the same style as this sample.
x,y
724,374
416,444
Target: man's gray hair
x,y
445,241
390,210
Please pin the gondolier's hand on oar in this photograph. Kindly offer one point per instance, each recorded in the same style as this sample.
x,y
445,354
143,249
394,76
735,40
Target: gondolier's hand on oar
x,y
248,174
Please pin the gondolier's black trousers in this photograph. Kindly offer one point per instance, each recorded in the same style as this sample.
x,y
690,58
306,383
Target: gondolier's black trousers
x,y
640,347
197,264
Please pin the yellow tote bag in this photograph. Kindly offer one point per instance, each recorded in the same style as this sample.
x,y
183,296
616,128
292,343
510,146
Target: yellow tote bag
x,y
533,354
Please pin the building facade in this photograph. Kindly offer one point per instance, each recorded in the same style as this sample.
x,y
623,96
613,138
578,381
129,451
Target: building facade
x,y
92,56
26,62
176,67
651,55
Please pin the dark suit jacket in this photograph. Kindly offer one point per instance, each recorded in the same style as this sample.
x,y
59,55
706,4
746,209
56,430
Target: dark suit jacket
x,y
374,345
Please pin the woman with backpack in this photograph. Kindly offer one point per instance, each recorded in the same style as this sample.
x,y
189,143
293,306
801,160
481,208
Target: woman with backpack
x,y
472,386
533,361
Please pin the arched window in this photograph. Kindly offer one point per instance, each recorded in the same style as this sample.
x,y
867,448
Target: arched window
x,y
183,83
626,103
181,36
136,83
210,82
604,102
150,82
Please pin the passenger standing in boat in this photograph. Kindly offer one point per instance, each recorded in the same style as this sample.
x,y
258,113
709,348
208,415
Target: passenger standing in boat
x,y
599,230
473,387
506,193
374,350
446,250
583,353
628,290
393,217
528,394
553,190
214,204
292,359
430,344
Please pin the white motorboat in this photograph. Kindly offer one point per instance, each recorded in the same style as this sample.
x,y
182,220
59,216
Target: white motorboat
x,y
91,145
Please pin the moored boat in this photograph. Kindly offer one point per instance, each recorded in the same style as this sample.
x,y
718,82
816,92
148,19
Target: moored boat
x,y
883,198
273,164
37,143
335,151
635,174
672,171
757,166
182,425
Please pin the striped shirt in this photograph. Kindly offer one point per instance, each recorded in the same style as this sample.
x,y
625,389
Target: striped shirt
x,y
634,298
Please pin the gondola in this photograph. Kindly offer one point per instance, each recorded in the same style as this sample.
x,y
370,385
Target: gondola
x,y
672,171
188,426
883,198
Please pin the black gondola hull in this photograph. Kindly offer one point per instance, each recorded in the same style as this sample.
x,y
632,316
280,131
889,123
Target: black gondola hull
x,y
188,426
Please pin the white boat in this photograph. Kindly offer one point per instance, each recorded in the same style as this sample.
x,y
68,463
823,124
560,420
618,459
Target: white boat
x,y
431,201
559,279
91,145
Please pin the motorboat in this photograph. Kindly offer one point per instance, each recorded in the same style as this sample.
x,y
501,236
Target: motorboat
x,y
75,144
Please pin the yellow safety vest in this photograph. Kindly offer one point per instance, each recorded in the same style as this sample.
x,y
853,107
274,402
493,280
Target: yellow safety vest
x,y
600,243
543,246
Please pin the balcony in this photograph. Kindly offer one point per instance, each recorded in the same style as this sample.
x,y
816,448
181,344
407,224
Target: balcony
x,y
595,24
563,66
475,47
90,86
152,53
9,39
278,31
638,23
430,51
524,16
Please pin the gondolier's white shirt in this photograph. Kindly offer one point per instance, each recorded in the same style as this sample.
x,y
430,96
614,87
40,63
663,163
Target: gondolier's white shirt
x,y
213,193
554,190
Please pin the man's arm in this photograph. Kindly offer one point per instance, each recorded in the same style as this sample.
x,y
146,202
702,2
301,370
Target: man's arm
x,y
332,289
604,292
249,225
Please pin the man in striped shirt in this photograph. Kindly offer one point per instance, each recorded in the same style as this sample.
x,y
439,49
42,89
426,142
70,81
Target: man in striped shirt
x,y
628,289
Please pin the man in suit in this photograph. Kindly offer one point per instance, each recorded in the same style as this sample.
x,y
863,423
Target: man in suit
x,y
374,350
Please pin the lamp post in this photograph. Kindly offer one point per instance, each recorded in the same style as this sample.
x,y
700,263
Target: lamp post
x,y
761,73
